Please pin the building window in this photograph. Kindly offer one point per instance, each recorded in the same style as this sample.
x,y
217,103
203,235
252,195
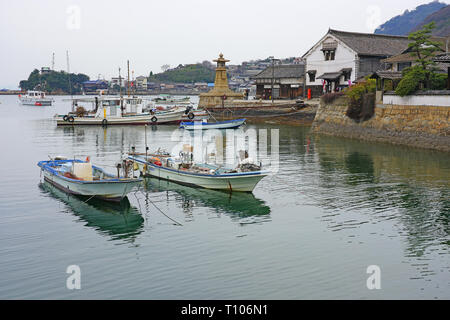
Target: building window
x,y
403,65
329,54
312,75
347,75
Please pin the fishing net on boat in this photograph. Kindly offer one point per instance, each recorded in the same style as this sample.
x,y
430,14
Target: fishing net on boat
x,y
80,111
248,167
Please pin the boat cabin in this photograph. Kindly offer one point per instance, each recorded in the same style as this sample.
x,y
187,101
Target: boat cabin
x,y
36,94
109,106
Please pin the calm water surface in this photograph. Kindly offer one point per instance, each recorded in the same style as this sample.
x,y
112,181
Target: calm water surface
x,y
335,207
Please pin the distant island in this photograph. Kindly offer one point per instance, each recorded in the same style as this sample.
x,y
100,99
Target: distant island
x,y
54,82
189,73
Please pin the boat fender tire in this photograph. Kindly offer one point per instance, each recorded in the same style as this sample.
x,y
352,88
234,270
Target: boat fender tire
x,y
65,117
191,115
104,122
70,119
154,119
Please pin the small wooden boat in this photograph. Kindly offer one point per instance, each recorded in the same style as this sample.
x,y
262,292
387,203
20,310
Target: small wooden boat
x,y
82,178
202,125
35,98
244,177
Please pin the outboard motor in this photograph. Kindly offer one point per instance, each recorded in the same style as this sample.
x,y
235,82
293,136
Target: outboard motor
x,y
188,109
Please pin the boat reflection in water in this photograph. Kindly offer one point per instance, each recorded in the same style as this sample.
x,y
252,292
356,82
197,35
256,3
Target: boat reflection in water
x,y
121,221
237,205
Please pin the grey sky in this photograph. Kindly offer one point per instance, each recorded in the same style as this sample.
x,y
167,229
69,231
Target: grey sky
x,y
152,33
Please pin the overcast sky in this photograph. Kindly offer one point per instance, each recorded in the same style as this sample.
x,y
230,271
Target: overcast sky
x,y
101,35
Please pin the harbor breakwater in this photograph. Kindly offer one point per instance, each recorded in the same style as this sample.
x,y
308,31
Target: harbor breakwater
x,y
423,126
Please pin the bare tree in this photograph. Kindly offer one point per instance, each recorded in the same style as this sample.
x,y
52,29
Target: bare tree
x,y
165,67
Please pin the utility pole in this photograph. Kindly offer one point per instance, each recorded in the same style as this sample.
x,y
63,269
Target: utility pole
x,y
53,62
273,76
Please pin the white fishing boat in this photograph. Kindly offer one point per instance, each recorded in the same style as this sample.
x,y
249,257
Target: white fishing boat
x,y
194,113
35,98
169,100
116,111
204,125
182,170
82,178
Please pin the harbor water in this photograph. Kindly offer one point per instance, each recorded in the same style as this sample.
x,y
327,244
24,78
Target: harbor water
x,y
309,231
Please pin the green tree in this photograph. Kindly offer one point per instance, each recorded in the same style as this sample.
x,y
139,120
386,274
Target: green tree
x,y
54,82
421,74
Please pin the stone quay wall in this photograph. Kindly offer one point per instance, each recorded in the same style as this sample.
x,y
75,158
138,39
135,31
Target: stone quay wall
x,y
412,125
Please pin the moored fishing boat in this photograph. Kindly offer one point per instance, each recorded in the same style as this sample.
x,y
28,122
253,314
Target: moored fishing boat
x,y
82,178
244,177
35,98
203,125
116,111
169,100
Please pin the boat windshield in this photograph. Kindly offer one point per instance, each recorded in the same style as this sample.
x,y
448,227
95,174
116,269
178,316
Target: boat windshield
x,y
111,102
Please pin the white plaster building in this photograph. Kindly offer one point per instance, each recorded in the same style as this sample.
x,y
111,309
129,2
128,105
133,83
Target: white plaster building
x,y
340,58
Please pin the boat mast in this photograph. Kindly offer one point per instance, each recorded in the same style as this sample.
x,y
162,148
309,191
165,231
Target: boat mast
x,y
120,92
133,82
128,81
70,84
146,148
120,84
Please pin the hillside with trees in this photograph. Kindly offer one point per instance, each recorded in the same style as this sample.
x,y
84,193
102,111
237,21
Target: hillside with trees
x,y
185,74
403,24
441,19
54,82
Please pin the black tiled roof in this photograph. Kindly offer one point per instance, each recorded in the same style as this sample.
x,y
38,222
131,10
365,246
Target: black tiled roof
x,y
372,44
282,71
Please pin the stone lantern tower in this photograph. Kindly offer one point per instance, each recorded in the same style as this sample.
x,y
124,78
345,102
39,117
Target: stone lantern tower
x,y
221,92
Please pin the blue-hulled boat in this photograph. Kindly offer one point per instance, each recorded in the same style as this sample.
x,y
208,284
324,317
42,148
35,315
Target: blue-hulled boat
x,y
202,125
82,178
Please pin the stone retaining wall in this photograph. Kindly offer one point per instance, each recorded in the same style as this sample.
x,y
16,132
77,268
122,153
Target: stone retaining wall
x,y
418,126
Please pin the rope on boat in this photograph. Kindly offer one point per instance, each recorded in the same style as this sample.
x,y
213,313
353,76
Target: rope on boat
x,y
211,115
90,198
176,222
